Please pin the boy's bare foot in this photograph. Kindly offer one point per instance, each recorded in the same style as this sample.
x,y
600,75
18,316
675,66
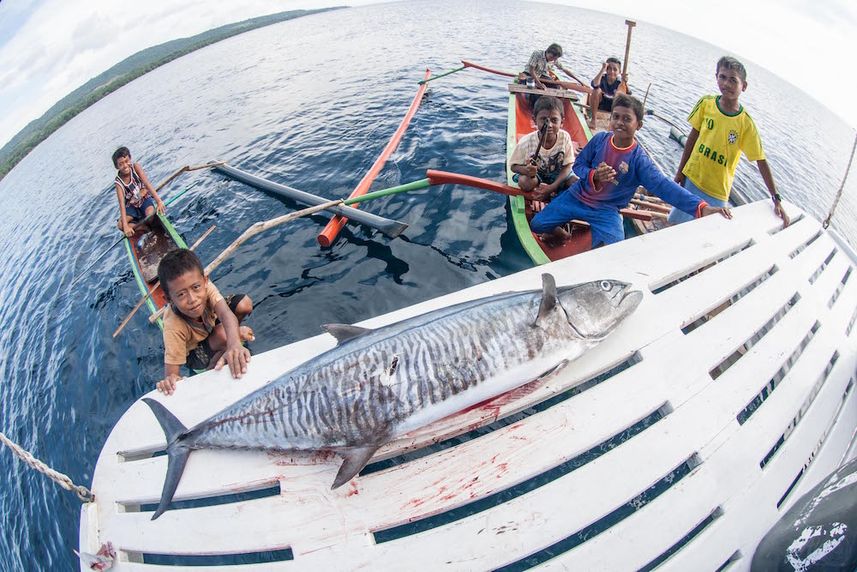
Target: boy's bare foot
x,y
246,334
556,237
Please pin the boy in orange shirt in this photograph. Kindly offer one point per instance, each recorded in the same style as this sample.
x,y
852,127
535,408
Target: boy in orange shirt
x,y
201,329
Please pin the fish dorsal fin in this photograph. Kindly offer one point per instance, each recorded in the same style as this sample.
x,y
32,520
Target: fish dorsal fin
x,y
354,459
549,299
344,332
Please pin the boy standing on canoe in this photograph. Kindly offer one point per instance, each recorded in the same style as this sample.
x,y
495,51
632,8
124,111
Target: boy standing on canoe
x,y
542,159
611,167
722,129
201,329
137,198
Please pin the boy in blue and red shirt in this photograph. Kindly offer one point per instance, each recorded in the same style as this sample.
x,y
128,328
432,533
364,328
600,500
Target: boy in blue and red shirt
x,y
610,168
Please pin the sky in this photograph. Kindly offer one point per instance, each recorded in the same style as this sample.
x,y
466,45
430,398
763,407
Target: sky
x,y
50,47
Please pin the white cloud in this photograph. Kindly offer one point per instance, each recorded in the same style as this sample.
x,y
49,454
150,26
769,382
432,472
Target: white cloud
x,y
59,46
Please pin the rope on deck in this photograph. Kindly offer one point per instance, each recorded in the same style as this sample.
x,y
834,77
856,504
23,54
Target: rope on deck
x,y
62,480
826,222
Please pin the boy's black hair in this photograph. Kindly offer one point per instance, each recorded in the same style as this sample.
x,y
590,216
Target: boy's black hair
x,y
550,103
629,101
614,60
555,49
731,63
175,263
119,153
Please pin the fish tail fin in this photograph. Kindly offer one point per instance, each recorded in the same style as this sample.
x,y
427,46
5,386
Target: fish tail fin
x,y
177,453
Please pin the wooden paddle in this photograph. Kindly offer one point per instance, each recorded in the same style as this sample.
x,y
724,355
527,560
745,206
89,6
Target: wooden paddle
x,y
158,285
543,133
624,85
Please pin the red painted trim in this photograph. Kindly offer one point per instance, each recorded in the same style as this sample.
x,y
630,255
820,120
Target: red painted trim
x,y
331,231
446,178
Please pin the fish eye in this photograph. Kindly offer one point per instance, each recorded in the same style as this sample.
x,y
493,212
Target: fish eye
x,y
606,286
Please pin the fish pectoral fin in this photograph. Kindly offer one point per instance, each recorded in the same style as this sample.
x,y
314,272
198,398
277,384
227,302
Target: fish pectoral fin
x,y
354,459
344,332
549,299
555,369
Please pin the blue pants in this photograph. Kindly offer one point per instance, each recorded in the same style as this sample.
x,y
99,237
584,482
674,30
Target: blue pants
x,y
677,216
139,213
605,222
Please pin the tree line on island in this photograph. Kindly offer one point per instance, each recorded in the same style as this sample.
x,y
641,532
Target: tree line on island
x,y
122,73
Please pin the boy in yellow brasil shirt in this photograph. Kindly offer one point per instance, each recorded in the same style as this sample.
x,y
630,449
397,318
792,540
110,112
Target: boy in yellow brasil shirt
x,y
722,130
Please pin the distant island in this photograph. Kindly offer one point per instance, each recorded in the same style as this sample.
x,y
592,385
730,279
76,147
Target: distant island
x,y
125,71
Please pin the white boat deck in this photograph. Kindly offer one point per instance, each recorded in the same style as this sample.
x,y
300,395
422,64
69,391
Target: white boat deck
x,y
676,443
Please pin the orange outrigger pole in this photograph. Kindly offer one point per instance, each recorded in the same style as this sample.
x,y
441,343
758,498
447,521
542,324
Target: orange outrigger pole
x,y
330,232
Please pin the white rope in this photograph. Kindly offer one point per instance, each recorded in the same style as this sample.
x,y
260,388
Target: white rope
x,y
59,478
826,222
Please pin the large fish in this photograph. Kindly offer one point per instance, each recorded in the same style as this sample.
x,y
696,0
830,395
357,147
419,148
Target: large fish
x,y
376,385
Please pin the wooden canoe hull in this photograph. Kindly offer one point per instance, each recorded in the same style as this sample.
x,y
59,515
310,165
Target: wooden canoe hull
x,y
145,250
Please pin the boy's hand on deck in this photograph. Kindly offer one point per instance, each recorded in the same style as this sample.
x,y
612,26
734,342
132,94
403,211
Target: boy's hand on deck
x,y
709,210
237,357
161,207
781,212
129,232
168,385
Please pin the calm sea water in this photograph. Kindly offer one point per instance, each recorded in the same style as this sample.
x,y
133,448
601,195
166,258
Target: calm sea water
x,y
309,103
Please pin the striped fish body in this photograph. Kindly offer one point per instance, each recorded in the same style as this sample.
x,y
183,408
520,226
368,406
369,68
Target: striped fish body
x,y
378,384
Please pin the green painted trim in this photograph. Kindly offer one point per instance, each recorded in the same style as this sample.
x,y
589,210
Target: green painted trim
x,y
144,291
171,230
516,204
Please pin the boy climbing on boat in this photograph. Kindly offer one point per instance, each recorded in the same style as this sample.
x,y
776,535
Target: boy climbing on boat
x,y
201,329
542,160
721,130
611,167
137,198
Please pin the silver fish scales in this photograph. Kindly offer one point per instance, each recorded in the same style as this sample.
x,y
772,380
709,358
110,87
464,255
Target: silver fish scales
x,y
376,385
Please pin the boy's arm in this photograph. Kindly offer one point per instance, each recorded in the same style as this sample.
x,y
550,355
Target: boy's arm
x,y
584,163
596,81
148,186
172,375
768,177
236,355
661,186
123,216
689,145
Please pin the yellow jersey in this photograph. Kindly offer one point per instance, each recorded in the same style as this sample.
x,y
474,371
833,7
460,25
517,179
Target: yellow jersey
x,y
722,137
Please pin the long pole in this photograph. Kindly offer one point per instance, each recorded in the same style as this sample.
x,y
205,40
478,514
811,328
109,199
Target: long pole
x,y
630,24
328,235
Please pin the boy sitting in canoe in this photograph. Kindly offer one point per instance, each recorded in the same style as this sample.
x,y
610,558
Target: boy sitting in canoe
x,y
540,67
611,167
605,85
722,130
542,159
137,198
201,328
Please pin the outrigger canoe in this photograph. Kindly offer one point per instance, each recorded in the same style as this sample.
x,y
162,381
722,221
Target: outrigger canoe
x,y
145,249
